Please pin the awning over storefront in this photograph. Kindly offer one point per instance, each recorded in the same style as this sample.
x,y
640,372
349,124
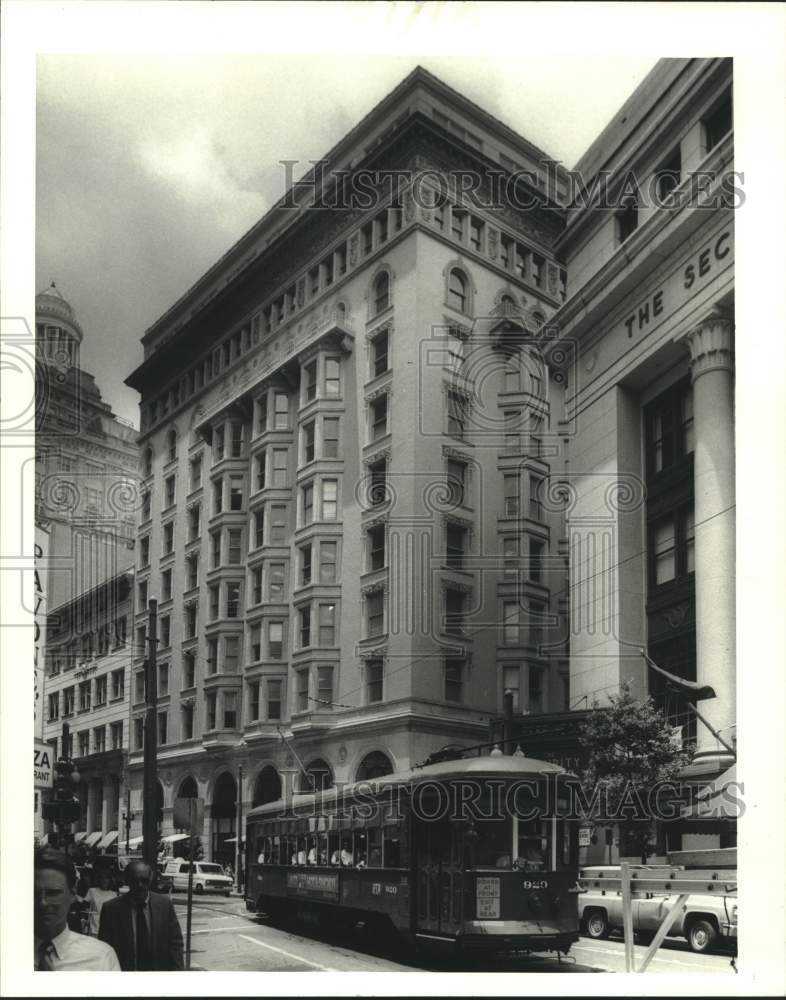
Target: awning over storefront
x,y
134,842
80,836
233,840
108,840
93,838
719,800
174,837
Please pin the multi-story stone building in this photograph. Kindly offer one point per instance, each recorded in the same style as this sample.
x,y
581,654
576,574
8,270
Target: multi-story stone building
x,y
347,431
86,462
88,666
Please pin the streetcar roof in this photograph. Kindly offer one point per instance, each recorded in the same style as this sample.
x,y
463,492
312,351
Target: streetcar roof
x,y
488,766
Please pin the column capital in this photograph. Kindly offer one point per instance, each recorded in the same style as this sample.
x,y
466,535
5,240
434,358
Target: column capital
x,y
711,344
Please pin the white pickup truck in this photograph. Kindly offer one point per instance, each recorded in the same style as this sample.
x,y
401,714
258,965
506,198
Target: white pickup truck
x,y
704,921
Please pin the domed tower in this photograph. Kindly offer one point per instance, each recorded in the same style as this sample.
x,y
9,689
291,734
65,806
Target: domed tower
x,y
58,333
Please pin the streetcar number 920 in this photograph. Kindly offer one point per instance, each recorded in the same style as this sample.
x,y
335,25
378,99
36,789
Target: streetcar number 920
x,y
539,884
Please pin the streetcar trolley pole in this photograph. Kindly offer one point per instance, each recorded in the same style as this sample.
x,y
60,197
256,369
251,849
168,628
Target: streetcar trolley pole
x,y
659,879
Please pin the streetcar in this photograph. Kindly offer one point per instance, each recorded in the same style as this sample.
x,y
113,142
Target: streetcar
x,y
480,853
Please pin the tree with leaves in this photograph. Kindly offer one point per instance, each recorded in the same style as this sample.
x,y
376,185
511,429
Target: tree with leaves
x,y
633,756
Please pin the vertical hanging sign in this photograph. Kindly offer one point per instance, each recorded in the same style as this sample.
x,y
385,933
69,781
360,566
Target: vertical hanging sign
x,y
39,625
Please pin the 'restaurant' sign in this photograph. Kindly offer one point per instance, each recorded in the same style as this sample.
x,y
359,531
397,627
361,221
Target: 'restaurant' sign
x,y
43,765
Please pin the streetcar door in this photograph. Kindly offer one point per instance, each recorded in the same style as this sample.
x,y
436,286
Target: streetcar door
x,y
439,877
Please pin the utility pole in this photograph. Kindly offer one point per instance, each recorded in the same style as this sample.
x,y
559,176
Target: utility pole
x,y
149,794
239,825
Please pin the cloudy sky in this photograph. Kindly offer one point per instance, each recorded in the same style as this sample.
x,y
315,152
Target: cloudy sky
x,y
149,165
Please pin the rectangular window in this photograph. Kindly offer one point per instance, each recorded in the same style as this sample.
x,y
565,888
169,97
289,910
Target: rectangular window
x,y
163,679
308,442
375,613
166,585
253,701
377,489
84,696
308,503
139,733
718,123
193,522
165,623
117,735
256,643
101,690
140,686
275,640
212,656
213,605
231,654
279,467
310,381
512,435
236,493
332,378
218,497
457,479
454,680
54,707
278,527
169,538
304,616
327,625
274,700
455,545
259,528
536,550
535,495
305,565
68,701
475,234
211,710
379,354
664,550
218,444
368,238
187,717
118,683
379,417
260,469
147,511
511,495
84,743
511,681
373,672
281,411
144,551
237,440
256,586
329,499
457,223
302,691
192,571
376,548
235,537
627,221
261,412
324,687
189,670
276,582
455,611
233,600
537,615
313,281
330,437
327,562
535,692
215,549
99,739
456,415
510,623
169,491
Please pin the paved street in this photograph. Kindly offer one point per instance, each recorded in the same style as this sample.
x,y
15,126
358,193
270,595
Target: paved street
x,y
226,938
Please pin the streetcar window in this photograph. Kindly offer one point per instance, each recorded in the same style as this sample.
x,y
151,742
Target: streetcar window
x,y
494,843
360,854
374,847
276,850
392,846
533,844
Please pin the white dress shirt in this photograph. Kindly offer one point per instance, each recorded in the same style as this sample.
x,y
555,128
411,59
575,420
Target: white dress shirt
x,y
70,952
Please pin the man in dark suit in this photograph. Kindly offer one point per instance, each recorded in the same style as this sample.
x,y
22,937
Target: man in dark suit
x,y
142,925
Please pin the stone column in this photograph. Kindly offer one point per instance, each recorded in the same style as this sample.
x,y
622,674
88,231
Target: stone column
x,y
711,347
107,815
92,790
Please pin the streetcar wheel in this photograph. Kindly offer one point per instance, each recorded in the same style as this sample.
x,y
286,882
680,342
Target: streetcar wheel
x,y
597,925
701,936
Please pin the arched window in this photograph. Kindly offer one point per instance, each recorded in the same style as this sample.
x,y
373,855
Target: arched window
x,y
374,765
508,305
318,776
223,819
147,462
171,445
538,319
381,292
457,290
188,789
267,787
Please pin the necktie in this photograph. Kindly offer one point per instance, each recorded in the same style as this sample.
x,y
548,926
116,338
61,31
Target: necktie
x,y
45,955
142,946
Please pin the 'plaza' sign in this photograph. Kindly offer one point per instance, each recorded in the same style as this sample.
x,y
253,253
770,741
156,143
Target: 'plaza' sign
x,y
43,765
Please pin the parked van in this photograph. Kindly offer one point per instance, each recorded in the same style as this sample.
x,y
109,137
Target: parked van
x,y
208,876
